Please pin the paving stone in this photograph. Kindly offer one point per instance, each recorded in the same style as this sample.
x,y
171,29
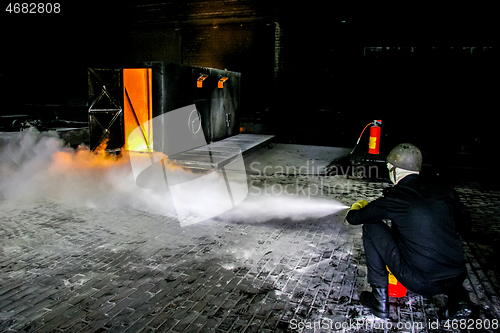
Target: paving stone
x,y
160,319
213,276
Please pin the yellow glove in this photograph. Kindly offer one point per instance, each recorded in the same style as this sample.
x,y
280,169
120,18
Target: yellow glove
x,y
360,204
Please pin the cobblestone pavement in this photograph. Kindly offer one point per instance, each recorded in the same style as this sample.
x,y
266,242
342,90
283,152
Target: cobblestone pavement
x,y
79,269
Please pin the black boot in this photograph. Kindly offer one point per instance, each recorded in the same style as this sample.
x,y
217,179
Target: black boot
x,y
377,301
458,305
457,311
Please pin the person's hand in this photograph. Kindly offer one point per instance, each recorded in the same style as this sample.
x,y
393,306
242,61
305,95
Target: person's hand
x,y
360,204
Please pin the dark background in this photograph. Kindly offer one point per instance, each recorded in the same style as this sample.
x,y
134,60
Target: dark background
x,y
312,73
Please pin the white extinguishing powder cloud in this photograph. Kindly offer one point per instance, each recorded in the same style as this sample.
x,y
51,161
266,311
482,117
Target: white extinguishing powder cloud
x,y
262,208
36,166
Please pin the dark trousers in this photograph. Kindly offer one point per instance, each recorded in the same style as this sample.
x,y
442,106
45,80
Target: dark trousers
x,y
381,249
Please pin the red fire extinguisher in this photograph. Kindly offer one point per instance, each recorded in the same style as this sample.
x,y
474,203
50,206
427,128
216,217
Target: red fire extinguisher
x,y
396,289
374,143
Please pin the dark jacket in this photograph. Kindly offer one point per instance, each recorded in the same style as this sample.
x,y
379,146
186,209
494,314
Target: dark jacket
x,y
424,219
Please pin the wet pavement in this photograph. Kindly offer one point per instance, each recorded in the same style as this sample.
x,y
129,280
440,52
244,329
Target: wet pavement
x,y
78,268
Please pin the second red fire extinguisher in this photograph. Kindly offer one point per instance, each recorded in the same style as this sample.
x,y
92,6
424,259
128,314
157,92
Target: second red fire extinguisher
x,y
374,143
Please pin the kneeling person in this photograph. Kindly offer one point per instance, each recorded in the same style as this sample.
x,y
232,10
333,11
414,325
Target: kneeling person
x,y
422,248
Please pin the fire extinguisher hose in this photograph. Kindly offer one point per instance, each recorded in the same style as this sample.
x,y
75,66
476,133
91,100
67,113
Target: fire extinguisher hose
x,y
359,139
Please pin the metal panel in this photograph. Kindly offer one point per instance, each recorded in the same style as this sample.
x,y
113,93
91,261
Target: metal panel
x,y
180,130
180,90
217,106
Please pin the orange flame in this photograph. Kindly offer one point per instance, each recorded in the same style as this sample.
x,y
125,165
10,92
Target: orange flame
x,y
102,146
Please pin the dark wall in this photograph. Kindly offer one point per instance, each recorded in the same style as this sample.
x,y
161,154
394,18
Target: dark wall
x,y
309,74
45,58
246,47
424,95
157,45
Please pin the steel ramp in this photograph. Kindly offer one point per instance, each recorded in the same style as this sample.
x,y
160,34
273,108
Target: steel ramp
x,y
219,154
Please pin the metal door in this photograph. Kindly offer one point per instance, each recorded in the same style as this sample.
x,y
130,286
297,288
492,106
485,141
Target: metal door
x,y
138,111
224,101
